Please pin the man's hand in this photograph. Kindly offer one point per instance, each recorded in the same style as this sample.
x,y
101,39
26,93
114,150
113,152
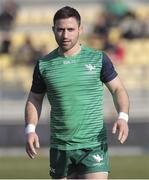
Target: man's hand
x,y
122,126
32,143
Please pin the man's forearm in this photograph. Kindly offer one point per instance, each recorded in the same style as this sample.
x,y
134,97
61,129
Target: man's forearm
x,y
33,109
31,114
121,100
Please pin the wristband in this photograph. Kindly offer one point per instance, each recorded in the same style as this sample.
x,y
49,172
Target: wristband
x,y
30,128
124,116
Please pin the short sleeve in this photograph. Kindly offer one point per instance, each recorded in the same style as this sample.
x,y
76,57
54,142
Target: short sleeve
x,y
38,84
108,71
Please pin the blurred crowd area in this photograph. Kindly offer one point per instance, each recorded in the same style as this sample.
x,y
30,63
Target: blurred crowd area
x,y
117,27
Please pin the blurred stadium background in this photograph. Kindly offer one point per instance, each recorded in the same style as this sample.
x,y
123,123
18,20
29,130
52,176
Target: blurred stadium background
x,y
118,27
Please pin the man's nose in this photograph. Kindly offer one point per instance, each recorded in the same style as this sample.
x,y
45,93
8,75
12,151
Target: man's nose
x,y
65,34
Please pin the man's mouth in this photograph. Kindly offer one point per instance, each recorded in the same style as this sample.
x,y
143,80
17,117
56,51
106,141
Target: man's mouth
x,y
65,42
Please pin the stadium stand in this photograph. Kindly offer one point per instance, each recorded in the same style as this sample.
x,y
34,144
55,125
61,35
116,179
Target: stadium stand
x,y
35,23
30,21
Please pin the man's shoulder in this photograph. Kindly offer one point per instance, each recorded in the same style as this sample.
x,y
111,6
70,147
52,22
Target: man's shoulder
x,y
48,57
90,50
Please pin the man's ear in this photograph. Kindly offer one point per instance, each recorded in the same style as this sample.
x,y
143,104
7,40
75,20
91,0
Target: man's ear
x,y
81,30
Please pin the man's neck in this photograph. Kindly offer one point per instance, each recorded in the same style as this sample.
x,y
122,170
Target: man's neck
x,y
71,52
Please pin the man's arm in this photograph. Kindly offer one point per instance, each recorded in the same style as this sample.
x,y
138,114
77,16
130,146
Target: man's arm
x,y
121,102
32,113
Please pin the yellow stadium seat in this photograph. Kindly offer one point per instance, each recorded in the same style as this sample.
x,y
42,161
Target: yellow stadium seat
x,y
5,61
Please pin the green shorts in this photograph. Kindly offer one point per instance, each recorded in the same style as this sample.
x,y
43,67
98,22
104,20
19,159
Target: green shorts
x,y
81,161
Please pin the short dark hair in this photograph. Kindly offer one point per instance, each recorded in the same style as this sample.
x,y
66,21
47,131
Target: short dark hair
x,y
67,12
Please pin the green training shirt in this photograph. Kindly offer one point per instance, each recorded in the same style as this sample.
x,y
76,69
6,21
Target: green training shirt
x,y
75,92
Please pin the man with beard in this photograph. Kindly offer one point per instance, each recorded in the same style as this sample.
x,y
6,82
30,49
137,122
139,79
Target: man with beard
x,y
72,76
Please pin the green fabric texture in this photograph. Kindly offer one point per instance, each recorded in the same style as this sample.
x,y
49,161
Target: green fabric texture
x,y
75,92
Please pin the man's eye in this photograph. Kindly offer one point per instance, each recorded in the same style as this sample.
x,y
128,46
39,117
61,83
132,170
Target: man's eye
x,y
70,29
59,30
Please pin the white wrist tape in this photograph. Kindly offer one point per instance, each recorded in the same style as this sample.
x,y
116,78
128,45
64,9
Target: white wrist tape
x,y
30,128
124,116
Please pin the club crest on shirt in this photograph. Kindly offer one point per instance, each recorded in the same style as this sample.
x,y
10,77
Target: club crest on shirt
x,y
91,69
